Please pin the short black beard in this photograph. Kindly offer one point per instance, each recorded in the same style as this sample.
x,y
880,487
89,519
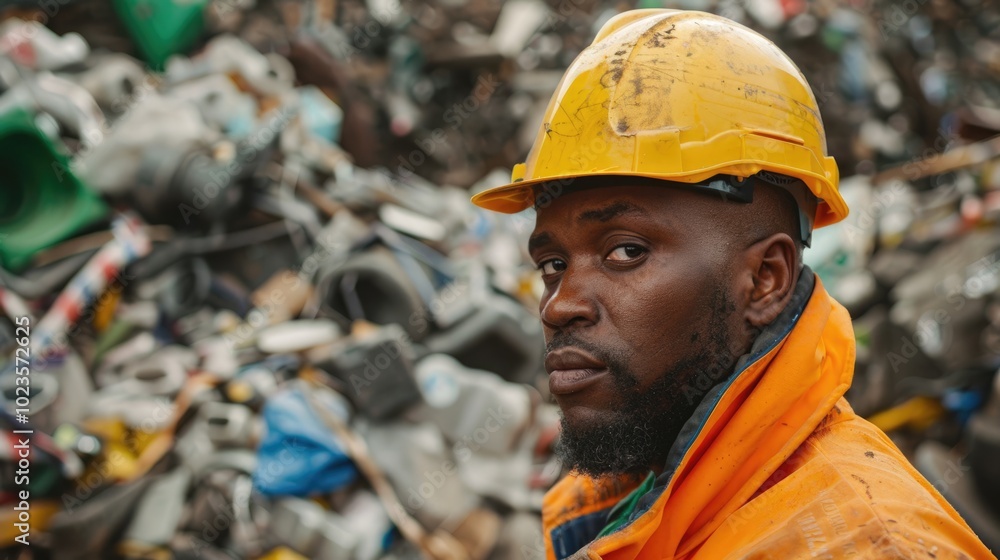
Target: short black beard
x,y
639,432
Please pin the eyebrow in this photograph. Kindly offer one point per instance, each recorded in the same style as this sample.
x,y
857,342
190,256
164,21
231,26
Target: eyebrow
x,y
610,212
538,241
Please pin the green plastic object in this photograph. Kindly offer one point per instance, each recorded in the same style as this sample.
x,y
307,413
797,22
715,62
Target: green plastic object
x,y
41,201
161,28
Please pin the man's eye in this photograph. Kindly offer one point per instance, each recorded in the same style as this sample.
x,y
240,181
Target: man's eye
x,y
626,253
552,266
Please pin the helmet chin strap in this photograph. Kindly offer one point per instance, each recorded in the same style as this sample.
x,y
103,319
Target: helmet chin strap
x,y
740,189
737,188
798,189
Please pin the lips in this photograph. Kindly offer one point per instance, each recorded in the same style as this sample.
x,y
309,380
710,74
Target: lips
x,y
572,370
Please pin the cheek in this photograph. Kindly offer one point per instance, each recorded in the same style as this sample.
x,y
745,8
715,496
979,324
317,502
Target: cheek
x,y
661,314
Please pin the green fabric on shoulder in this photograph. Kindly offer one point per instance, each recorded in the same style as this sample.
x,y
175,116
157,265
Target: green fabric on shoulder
x,y
623,509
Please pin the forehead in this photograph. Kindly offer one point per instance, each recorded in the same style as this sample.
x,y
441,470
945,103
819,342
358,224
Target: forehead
x,y
601,205
650,211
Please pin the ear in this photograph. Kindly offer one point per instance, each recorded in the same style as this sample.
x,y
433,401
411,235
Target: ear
x,y
773,266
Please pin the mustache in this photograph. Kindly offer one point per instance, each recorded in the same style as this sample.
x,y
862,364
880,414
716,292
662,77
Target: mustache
x,y
613,358
564,339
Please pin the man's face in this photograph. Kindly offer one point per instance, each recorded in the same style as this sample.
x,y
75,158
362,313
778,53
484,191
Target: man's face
x,y
637,315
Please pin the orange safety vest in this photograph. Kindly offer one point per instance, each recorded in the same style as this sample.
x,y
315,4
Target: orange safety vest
x,y
780,467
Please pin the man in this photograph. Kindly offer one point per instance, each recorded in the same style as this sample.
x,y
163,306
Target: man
x,y
699,366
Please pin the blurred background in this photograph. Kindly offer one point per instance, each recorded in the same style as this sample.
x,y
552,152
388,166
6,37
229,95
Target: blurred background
x,y
265,321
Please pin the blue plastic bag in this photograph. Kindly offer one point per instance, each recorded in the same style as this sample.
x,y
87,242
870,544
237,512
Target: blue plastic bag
x,y
298,455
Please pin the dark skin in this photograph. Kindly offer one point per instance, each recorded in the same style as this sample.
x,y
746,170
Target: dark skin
x,y
647,288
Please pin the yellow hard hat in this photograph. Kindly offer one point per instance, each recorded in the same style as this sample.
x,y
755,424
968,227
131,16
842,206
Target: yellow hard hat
x,y
682,96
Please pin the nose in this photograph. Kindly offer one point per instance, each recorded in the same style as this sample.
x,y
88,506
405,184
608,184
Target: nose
x,y
570,304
